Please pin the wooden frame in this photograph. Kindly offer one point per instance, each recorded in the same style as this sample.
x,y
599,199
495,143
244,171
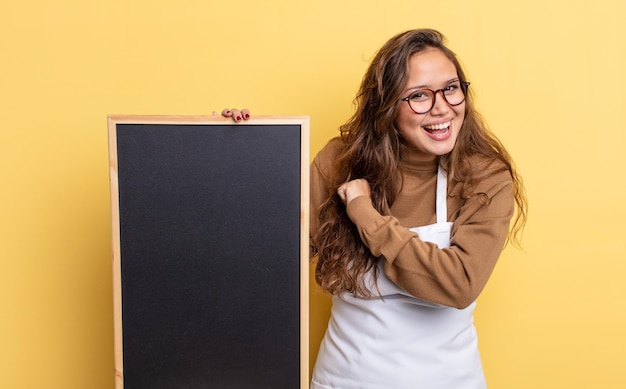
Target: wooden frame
x,y
303,122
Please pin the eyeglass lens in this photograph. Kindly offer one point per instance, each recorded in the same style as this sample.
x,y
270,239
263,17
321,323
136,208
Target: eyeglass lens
x,y
423,100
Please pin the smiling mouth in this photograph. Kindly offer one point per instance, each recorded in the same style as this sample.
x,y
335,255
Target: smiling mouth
x,y
438,128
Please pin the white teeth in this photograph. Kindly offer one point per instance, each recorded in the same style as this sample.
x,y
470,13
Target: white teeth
x,y
441,126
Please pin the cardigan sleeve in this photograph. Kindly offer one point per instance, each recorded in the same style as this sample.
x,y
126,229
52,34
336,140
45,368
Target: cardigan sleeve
x,y
452,276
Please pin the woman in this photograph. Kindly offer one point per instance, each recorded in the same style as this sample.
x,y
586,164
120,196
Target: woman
x,y
410,210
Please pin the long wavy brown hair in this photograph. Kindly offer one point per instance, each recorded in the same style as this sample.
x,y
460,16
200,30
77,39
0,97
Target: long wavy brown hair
x,y
371,150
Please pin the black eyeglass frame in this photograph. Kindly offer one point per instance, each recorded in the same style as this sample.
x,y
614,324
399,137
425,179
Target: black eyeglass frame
x,y
464,88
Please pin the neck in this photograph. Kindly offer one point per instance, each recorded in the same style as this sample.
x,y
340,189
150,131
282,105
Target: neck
x,y
415,159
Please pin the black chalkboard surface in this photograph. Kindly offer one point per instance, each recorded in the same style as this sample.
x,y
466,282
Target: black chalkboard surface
x,y
210,238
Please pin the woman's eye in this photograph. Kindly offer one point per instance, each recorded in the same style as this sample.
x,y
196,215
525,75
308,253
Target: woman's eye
x,y
419,96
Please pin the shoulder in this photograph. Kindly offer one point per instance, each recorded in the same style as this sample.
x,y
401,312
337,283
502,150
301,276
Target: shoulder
x,y
331,149
325,159
488,176
482,165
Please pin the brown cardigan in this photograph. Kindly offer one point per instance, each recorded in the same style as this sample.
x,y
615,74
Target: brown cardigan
x,y
454,276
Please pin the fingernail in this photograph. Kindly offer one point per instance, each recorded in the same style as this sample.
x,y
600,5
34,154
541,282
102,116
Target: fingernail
x,y
238,118
245,115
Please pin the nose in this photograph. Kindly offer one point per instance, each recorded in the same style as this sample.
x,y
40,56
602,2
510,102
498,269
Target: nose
x,y
441,104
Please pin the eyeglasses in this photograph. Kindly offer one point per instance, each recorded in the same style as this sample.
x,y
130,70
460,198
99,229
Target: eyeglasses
x,y
423,100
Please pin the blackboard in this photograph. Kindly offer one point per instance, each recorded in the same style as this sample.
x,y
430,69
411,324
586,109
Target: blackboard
x,y
210,251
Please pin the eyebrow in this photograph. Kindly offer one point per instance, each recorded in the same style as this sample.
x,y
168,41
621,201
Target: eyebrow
x,y
450,81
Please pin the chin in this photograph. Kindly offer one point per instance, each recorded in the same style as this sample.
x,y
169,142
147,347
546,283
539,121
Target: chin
x,y
441,150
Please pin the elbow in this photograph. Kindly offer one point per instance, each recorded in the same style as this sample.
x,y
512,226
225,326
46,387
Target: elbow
x,y
462,291
463,297
462,303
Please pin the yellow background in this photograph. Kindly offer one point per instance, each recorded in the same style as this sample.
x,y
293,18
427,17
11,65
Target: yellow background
x,y
550,78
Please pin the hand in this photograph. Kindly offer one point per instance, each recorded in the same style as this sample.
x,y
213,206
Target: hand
x,y
353,189
236,114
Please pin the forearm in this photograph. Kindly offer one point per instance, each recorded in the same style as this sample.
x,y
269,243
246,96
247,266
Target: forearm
x,y
452,276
